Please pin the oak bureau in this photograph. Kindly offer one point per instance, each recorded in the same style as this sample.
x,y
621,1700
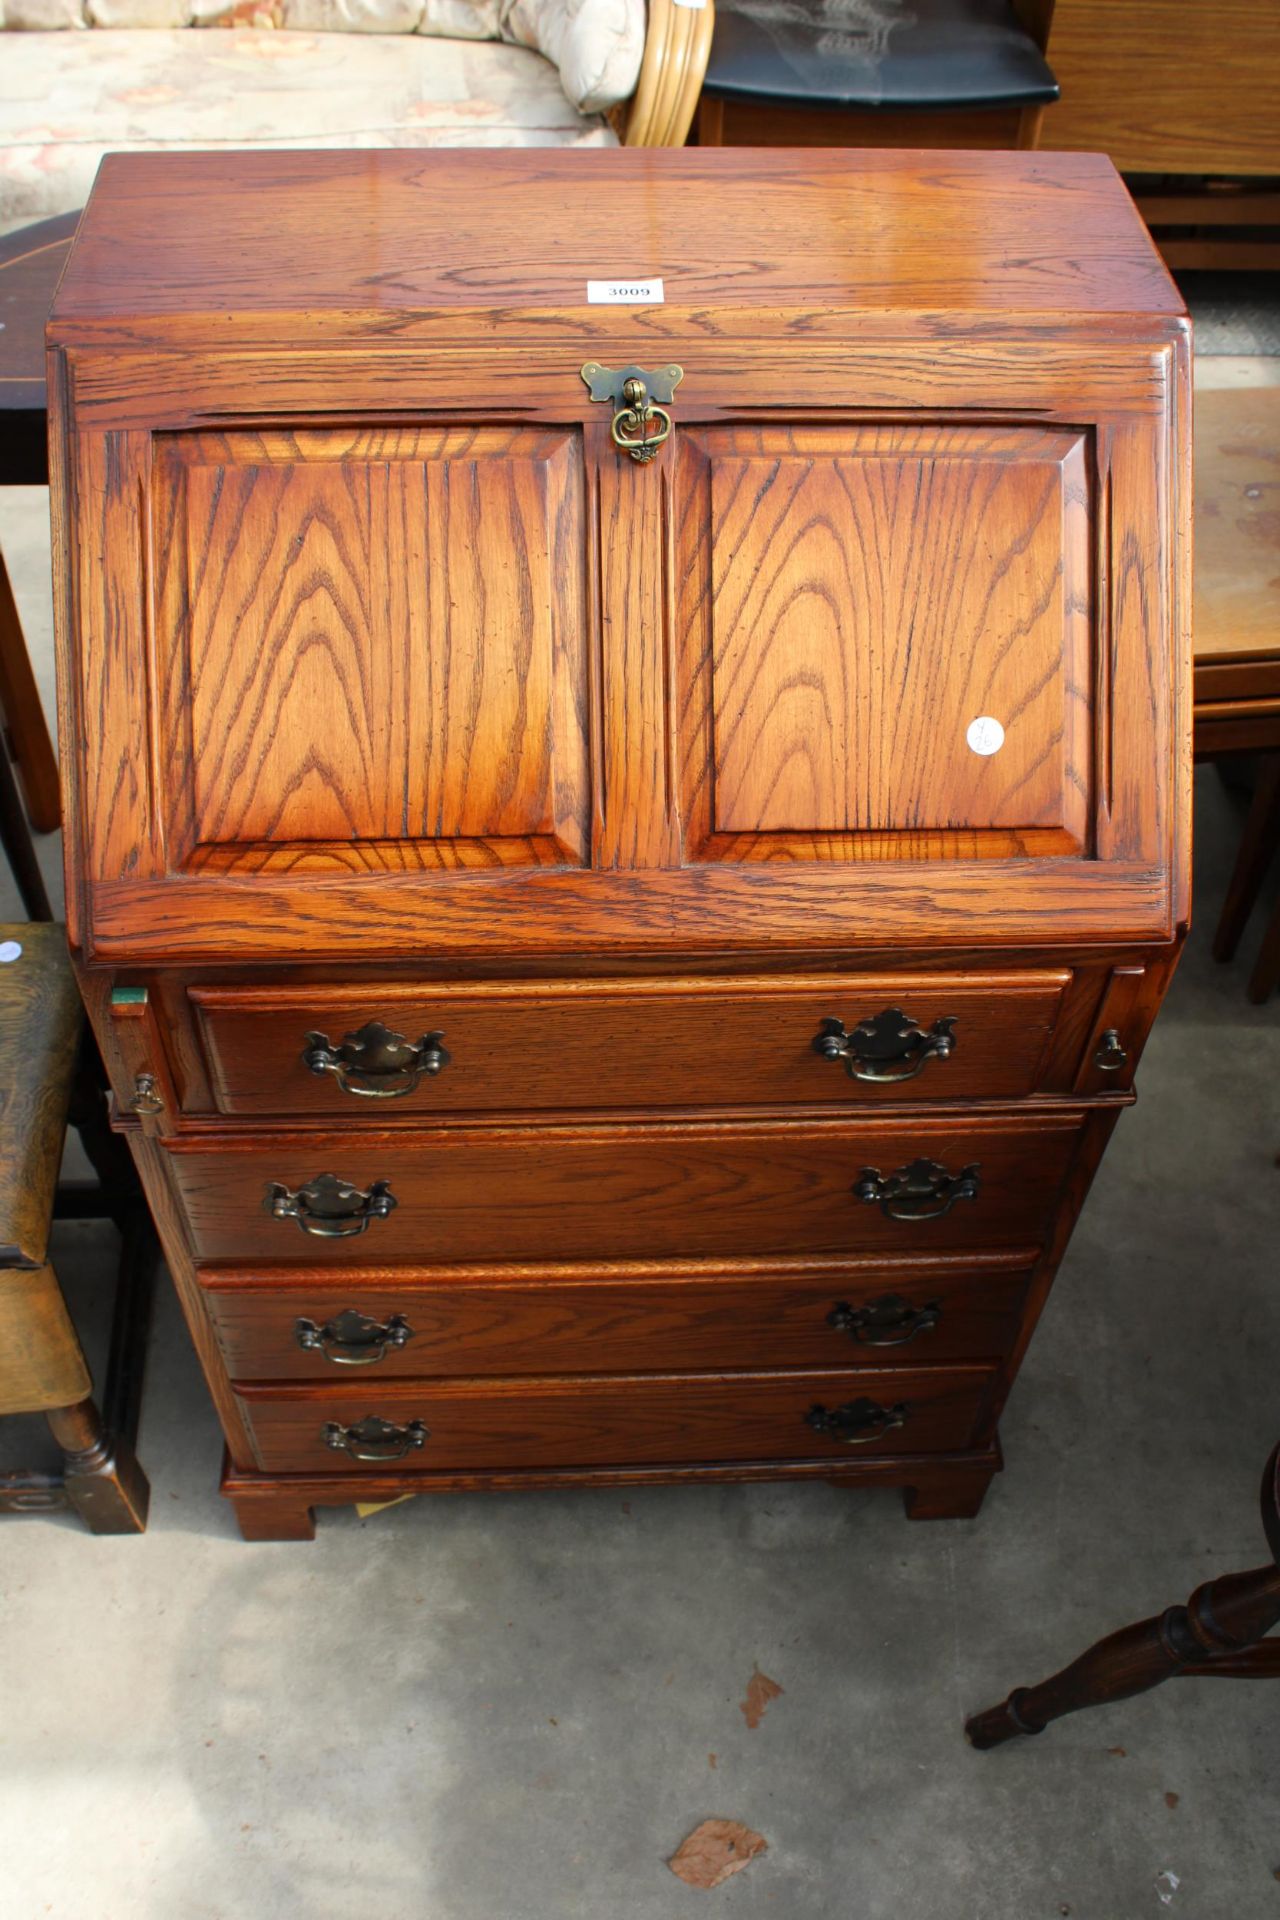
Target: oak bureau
x,y
625,729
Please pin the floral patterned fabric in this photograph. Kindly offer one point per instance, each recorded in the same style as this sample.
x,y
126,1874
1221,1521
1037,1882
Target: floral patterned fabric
x,y
68,98
597,45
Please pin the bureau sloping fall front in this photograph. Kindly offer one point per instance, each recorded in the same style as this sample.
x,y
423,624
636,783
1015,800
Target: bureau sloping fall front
x,y
621,859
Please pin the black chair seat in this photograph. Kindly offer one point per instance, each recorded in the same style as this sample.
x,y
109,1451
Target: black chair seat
x,y
889,54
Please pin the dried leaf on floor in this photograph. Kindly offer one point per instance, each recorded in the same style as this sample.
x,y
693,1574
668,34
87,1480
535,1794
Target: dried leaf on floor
x,y
714,1851
760,1691
367,1508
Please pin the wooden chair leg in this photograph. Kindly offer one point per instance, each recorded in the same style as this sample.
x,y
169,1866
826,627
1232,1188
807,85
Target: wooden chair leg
x,y
15,838
1266,968
1257,846
101,1475
1224,1619
710,121
24,720
1030,125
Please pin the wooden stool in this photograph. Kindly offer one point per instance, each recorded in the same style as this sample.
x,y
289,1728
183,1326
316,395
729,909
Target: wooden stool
x,y
1218,1634
1237,618
42,1369
30,262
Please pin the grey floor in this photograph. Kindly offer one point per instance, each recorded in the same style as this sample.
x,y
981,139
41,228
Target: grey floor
x,y
515,1707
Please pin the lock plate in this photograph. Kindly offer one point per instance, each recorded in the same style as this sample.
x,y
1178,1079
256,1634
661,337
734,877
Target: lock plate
x,y
606,385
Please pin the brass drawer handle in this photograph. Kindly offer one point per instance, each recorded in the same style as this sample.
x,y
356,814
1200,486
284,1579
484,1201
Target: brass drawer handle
x,y
352,1339
639,428
330,1208
890,1046
922,1191
372,1440
887,1322
857,1422
639,425
146,1097
374,1062
1110,1056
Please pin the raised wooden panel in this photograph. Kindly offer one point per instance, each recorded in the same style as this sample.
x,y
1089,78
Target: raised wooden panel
x,y
624,1316
867,593
371,641
520,1045
646,1190
586,1420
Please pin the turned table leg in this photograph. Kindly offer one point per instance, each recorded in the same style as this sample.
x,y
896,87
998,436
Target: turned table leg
x,y
101,1475
1223,1619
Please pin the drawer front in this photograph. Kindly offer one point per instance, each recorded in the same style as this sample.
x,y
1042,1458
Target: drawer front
x,y
849,1040
594,1420
405,1198
375,1326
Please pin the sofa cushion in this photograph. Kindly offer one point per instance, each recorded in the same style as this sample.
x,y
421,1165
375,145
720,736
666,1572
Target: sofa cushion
x,y
68,98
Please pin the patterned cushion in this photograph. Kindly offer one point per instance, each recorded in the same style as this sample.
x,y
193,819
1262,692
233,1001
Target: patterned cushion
x,y
596,44
69,97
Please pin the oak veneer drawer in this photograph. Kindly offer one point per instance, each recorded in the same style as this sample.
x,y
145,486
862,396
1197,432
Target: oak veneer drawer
x,y
586,1044
301,1326
406,1197
601,1420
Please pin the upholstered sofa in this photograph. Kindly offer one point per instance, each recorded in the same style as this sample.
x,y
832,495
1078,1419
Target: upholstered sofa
x,y
79,78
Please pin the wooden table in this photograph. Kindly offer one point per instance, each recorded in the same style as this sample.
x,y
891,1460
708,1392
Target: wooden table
x,y
31,262
1237,614
1237,605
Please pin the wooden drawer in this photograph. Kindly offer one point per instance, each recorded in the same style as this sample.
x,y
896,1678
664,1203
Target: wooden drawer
x,y
650,1191
602,1420
629,1316
586,1044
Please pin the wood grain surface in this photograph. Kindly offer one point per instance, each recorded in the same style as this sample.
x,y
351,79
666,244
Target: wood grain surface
x,y
645,1189
1163,87
875,590
40,1027
1091,764
392,690
415,243
529,1045
371,637
586,1420
1237,606
624,1317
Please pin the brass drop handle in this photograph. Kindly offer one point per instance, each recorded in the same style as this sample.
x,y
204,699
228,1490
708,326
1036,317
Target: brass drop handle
x,y
889,1046
889,1321
330,1208
375,1063
640,425
921,1191
352,1339
146,1097
857,1422
1110,1056
373,1440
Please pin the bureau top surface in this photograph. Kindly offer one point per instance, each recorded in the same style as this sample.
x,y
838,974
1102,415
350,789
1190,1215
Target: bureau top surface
x,y
410,244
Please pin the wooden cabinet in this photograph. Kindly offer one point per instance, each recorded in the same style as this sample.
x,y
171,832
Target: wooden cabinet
x,y
641,928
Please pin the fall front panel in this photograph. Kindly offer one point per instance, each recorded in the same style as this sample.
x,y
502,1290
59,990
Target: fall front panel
x,y
370,646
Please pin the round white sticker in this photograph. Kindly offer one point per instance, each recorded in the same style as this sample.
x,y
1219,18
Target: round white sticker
x,y
985,735
10,950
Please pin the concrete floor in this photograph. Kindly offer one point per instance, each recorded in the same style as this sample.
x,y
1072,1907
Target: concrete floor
x,y
515,1707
